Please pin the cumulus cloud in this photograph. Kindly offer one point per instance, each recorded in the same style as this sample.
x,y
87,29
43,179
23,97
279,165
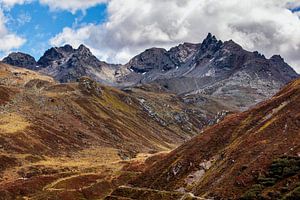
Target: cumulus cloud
x,y
268,26
293,4
8,40
11,41
71,5
11,3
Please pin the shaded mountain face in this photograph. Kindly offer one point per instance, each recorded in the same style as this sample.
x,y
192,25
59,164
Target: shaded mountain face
x,y
251,155
21,60
215,68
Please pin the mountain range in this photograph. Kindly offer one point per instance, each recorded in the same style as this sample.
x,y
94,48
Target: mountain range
x,y
215,68
197,121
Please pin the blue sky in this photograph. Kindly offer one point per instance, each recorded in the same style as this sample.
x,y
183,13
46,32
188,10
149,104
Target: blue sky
x,y
38,24
117,30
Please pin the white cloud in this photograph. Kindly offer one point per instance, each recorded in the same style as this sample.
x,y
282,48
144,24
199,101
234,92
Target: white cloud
x,y
71,5
88,35
293,4
8,40
133,25
11,3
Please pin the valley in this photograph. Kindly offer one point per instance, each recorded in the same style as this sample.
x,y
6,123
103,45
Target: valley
x,y
198,121
69,140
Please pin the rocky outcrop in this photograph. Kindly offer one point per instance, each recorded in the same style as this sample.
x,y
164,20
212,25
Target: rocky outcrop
x,y
89,87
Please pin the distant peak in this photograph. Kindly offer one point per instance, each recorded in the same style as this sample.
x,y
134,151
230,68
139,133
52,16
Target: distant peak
x,y
210,37
67,48
82,47
277,58
20,59
211,42
19,53
230,44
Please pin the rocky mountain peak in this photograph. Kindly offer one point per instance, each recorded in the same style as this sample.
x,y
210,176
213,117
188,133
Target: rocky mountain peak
x,y
20,60
232,46
67,64
207,48
49,56
277,58
150,59
84,50
67,48
210,43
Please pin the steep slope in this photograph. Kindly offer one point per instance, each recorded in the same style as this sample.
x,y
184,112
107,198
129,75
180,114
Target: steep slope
x,y
52,132
251,155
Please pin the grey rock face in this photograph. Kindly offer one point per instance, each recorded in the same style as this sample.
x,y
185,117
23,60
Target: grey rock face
x,y
66,64
158,59
181,53
151,59
54,55
21,60
216,68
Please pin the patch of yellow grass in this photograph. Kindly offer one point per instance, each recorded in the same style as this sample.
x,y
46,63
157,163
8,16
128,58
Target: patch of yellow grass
x,y
12,123
115,103
27,75
88,158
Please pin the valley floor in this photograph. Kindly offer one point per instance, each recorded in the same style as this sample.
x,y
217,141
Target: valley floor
x,y
89,174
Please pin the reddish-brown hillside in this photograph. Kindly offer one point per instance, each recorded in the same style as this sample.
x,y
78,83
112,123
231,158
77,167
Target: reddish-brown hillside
x,y
71,141
251,155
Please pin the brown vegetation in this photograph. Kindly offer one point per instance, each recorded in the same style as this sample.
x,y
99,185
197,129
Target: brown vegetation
x,y
252,155
82,140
